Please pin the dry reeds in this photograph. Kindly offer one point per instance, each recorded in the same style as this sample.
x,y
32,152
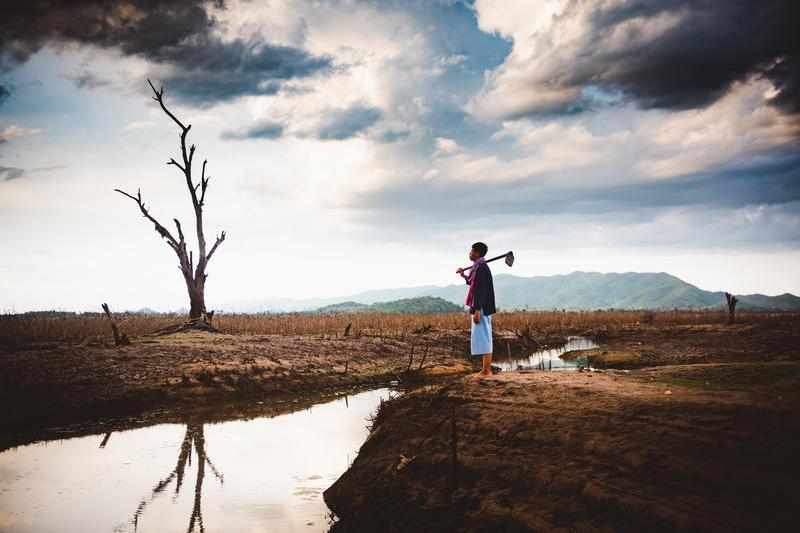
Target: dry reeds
x,y
43,328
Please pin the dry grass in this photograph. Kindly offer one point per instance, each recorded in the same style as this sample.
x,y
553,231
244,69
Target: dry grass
x,y
38,328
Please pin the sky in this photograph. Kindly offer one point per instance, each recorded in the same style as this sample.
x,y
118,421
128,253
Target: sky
x,y
357,145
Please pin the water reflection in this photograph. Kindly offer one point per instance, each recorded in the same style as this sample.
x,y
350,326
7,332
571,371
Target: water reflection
x,y
269,465
549,358
194,436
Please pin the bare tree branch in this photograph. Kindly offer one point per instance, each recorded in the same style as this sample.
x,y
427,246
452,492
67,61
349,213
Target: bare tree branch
x,y
180,232
213,248
204,183
173,162
159,97
164,232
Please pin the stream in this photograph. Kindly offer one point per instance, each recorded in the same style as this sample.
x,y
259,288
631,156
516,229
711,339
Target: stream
x,y
194,473
548,358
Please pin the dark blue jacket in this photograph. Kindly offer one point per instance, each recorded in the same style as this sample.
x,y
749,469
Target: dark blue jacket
x,y
483,292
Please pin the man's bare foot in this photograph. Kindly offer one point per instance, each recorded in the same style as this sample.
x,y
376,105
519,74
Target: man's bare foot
x,y
481,375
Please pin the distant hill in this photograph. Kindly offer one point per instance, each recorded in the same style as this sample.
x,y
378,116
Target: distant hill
x,y
422,304
581,291
577,291
344,307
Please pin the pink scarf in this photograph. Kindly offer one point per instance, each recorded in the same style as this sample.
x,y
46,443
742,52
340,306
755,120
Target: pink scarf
x,y
471,277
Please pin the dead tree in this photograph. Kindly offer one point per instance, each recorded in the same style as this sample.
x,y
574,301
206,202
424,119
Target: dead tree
x,y
194,275
119,340
732,301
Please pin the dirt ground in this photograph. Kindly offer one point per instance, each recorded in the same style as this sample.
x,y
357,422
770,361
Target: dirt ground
x,y
695,429
681,427
689,447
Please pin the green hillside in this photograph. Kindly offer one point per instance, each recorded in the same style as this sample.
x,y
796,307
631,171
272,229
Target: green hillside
x,y
421,304
344,307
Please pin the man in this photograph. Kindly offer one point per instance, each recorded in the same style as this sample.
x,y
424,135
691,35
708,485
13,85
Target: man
x,y
480,300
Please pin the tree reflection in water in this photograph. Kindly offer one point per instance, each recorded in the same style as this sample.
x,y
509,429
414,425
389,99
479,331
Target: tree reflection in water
x,y
193,438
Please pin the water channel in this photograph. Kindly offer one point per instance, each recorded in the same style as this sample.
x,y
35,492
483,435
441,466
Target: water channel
x,y
549,358
249,473
242,466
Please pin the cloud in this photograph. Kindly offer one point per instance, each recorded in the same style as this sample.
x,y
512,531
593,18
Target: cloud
x,y
416,67
49,168
628,145
444,145
178,36
340,124
722,209
393,135
666,55
208,70
612,167
261,130
4,94
140,125
14,132
87,80
11,173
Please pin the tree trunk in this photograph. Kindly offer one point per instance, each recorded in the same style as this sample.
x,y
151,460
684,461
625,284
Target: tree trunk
x,y
119,340
197,303
732,301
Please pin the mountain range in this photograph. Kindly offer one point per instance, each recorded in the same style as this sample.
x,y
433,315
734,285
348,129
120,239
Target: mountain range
x,y
577,291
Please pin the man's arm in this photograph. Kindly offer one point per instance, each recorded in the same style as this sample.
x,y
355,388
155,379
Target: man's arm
x,y
479,292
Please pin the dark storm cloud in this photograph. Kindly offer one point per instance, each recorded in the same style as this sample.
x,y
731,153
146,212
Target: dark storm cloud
x,y
4,94
692,63
175,33
346,123
262,130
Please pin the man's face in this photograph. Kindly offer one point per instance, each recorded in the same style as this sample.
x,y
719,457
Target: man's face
x,y
473,255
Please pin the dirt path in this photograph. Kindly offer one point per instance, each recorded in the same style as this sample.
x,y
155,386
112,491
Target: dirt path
x,y
697,447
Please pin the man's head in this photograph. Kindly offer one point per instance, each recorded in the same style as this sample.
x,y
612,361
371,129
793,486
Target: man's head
x,y
479,249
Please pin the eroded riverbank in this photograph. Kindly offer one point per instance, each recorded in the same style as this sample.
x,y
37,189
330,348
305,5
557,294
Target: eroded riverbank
x,y
696,447
63,384
57,384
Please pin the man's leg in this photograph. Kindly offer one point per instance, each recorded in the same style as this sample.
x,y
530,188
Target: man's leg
x,y
487,364
486,368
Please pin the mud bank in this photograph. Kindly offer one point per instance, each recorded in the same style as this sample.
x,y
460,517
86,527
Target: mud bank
x,y
59,384
56,384
686,447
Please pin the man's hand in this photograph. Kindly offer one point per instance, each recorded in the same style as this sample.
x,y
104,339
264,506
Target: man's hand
x,y
477,316
460,271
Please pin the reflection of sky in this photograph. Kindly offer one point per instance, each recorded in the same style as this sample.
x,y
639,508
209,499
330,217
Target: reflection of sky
x,y
275,470
549,357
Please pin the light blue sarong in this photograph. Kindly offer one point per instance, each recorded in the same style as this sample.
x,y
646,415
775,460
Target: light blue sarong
x,y
481,340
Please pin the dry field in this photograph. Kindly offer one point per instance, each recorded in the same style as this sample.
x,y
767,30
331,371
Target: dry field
x,y
31,329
